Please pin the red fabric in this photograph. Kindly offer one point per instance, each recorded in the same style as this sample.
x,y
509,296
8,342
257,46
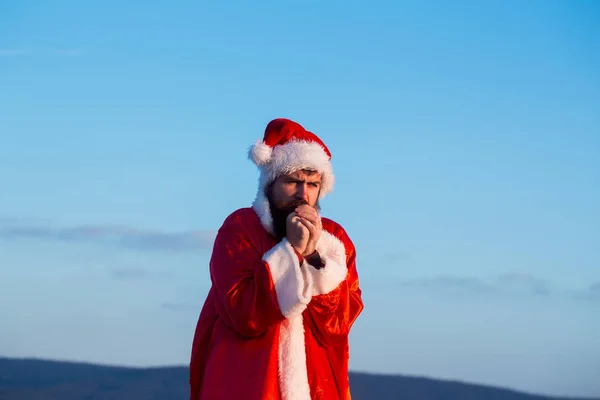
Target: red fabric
x,y
281,130
235,347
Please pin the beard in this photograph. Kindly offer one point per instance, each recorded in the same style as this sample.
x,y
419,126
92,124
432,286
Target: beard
x,y
280,213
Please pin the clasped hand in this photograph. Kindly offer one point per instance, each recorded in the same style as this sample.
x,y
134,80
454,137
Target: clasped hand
x,y
303,227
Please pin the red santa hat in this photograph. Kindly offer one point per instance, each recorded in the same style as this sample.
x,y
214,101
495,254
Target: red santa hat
x,y
287,147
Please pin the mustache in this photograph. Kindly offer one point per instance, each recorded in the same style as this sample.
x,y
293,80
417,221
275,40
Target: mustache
x,y
288,207
295,203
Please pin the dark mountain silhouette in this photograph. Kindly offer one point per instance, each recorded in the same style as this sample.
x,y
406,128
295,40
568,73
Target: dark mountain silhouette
x,y
32,379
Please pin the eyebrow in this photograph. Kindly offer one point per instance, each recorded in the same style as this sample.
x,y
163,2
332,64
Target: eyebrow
x,y
298,180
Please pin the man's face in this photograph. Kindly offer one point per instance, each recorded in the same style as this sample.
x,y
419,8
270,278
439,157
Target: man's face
x,y
298,186
288,192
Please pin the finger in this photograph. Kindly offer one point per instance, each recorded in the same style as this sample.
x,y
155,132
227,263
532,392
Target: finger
x,y
309,225
306,208
309,219
315,219
310,215
307,211
298,223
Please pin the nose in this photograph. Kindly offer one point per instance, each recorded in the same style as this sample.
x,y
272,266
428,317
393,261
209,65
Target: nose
x,y
302,191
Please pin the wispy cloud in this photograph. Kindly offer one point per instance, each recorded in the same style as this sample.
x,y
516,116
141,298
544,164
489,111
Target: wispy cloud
x,y
14,52
123,236
508,282
447,281
523,282
592,292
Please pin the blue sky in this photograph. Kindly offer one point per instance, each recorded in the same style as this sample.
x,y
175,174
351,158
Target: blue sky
x,y
465,140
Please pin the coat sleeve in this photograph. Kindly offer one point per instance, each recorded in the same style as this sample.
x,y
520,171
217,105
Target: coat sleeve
x,y
337,299
256,291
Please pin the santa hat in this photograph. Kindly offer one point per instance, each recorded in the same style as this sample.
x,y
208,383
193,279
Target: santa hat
x,y
287,147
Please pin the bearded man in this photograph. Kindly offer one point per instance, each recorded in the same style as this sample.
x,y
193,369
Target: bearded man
x,y
285,289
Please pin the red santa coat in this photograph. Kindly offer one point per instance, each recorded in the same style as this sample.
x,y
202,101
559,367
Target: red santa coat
x,y
273,327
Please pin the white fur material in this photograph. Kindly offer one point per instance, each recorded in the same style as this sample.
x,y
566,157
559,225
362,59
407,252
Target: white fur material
x,y
293,375
260,153
333,254
293,286
296,155
261,206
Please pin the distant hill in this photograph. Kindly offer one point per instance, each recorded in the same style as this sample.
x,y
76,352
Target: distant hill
x,y
32,379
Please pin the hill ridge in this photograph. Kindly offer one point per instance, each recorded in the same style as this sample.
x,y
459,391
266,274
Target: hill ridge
x,y
36,378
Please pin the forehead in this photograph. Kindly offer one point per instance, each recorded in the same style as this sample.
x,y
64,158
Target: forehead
x,y
305,175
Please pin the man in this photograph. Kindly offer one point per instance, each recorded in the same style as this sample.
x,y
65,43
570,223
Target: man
x,y
285,290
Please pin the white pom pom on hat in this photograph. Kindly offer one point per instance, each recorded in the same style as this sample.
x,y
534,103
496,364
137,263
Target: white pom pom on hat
x,y
260,153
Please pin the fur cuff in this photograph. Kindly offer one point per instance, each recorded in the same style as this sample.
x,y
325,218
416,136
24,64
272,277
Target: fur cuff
x,y
293,284
333,254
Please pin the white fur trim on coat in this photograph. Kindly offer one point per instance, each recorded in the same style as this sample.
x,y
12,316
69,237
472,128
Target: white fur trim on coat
x,y
293,375
262,208
293,285
333,253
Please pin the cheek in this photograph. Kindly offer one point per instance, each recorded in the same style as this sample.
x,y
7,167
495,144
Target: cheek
x,y
286,191
314,195
282,194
